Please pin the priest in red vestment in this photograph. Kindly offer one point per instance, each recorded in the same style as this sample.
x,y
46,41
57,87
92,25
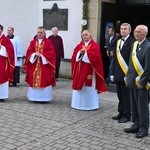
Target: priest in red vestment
x,y
40,68
87,74
6,64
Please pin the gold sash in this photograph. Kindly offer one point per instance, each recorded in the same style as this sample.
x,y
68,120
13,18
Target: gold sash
x,y
37,72
138,67
121,60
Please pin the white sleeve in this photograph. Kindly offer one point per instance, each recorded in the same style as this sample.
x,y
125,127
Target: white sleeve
x,y
3,51
85,58
44,60
79,57
19,51
33,58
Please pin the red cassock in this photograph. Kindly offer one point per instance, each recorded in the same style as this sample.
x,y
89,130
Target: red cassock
x,y
82,72
6,63
58,45
40,75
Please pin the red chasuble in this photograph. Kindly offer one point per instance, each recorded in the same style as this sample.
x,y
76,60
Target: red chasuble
x,y
40,75
6,63
82,72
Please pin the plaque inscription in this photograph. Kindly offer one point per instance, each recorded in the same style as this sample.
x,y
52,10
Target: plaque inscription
x,y
55,18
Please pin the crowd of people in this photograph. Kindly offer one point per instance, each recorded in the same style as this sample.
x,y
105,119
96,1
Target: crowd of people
x,y
129,70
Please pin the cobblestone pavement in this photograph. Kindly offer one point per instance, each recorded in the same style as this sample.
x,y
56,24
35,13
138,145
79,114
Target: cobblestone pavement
x,y
56,126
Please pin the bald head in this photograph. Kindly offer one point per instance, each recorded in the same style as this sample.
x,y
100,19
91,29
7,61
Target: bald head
x,y
86,35
140,32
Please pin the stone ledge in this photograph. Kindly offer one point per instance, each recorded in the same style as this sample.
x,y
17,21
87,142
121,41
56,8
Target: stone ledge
x,y
65,68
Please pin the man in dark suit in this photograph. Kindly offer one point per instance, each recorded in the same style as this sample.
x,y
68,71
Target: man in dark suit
x,y
138,82
59,49
111,45
120,69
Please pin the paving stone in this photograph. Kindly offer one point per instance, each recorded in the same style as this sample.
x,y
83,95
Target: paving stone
x,y
95,147
56,126
109,146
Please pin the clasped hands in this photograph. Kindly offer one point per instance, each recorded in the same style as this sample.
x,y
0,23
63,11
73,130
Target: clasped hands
x,y
110,53
82,51
139,86
38,54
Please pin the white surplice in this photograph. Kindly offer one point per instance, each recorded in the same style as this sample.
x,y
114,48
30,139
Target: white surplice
x,y
4,87
39,94
87,98
17,50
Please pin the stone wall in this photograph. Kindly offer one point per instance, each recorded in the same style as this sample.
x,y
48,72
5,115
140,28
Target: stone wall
x,y
65,68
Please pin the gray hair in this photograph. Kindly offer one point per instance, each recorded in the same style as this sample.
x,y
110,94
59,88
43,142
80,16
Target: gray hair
x,y
54,29
127,25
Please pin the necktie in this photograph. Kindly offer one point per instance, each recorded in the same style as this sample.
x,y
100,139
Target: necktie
x,y
121,44
123,39
138,46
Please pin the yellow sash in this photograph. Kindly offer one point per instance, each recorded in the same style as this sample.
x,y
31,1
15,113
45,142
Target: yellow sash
x,y
121,60
139,69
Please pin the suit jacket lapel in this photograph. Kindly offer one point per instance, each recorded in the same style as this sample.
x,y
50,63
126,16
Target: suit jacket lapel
x,y
142,45
125,43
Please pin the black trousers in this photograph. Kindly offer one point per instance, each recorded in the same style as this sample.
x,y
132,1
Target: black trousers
x,y
123,93
16,75
58,59
111,59
139,106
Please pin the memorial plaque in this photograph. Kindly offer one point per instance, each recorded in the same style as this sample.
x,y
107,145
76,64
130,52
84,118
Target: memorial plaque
x,y
55,18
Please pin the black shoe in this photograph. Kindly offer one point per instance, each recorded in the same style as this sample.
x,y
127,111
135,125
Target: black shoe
x,y
141,134
117,117
107,82
124,120
14,84
132,129
40,102
2,100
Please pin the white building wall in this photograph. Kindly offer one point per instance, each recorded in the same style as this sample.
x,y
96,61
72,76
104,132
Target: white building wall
x,y
23,15
26,15
71,36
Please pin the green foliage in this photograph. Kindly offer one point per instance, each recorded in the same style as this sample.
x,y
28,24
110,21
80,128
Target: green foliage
x,y
85,13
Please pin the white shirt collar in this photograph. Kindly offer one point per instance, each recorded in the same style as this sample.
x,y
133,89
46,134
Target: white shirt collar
x,y
141,41
126,38
1,35
87,43
40,41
